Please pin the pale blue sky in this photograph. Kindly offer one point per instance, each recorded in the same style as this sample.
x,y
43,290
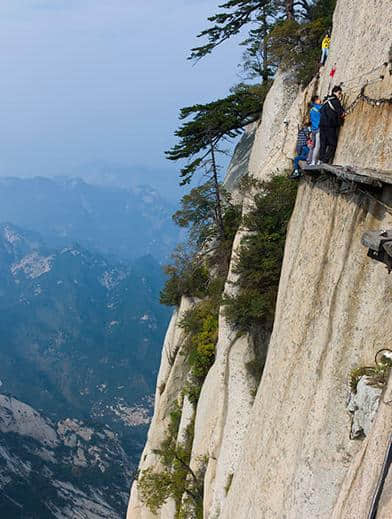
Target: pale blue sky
x,y
85,81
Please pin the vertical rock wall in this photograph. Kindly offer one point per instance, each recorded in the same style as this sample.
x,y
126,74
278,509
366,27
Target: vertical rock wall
x,y
288,454
228,393
334,312
361,42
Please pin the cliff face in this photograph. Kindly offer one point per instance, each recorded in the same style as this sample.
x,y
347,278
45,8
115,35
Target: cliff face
x,y
287,452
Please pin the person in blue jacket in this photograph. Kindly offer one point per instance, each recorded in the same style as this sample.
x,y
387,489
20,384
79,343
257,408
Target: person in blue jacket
x,y
315,115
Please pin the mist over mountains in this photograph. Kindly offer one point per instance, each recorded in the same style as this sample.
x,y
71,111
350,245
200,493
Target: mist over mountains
x,y
124,222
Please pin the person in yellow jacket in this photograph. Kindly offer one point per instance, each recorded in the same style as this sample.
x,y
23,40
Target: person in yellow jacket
x,y
325,48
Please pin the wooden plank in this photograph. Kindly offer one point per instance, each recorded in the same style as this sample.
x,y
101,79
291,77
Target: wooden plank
x,y
307,167
352,174
383,176
344,172
347,173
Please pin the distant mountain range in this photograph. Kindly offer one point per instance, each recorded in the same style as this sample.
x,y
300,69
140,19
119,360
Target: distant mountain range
x,y
80,343
124,222
111,174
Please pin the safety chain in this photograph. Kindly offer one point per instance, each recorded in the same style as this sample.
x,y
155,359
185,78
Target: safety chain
x,y
369,100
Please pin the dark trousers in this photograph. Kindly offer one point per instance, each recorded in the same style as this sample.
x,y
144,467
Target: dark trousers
x,y
328,142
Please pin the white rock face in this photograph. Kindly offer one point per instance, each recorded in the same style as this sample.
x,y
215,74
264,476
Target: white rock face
x,y
362,479
288,453
363,405
20,418
238,166
33,265
361,41
277,130
10,235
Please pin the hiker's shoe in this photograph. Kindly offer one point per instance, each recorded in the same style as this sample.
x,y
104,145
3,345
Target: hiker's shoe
x,y
295,174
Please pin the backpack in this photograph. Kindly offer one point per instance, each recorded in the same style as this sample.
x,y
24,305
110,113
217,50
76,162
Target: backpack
x,y
327,103
328,113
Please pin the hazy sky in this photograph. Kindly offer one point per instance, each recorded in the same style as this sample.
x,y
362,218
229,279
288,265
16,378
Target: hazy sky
x,y
87,81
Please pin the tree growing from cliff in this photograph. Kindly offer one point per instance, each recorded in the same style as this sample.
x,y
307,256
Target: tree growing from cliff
x,y
189,272
255,60
282,33
207,126
175,479
295,44
186,276
261,16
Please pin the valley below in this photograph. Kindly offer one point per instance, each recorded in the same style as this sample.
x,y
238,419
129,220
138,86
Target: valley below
x,y
81,331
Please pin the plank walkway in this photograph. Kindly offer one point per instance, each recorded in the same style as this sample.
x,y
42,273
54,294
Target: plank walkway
x,y
371,177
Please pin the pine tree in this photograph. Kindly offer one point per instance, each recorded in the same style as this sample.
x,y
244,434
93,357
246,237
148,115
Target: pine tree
x,y
200,137
236,14
255,60
294,44
262,15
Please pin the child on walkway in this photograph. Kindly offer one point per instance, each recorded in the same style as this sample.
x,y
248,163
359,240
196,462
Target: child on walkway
x,y
304,143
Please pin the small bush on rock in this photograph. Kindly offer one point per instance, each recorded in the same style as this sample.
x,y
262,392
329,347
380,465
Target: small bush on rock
x,y
260,257
175,479
201,328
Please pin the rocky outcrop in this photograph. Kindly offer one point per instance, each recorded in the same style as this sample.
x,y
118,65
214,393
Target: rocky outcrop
x,y
363,405
360,47
362,479
20,418
238,166
299,442
287,453
332,315
75,464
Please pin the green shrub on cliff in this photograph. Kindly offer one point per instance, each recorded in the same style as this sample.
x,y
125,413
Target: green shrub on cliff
x,y
260,256
200,325
187,276
376,375
280,33
199,270
174,479
296,46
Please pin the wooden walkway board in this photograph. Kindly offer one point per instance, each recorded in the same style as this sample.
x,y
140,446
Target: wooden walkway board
x,y
367,176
